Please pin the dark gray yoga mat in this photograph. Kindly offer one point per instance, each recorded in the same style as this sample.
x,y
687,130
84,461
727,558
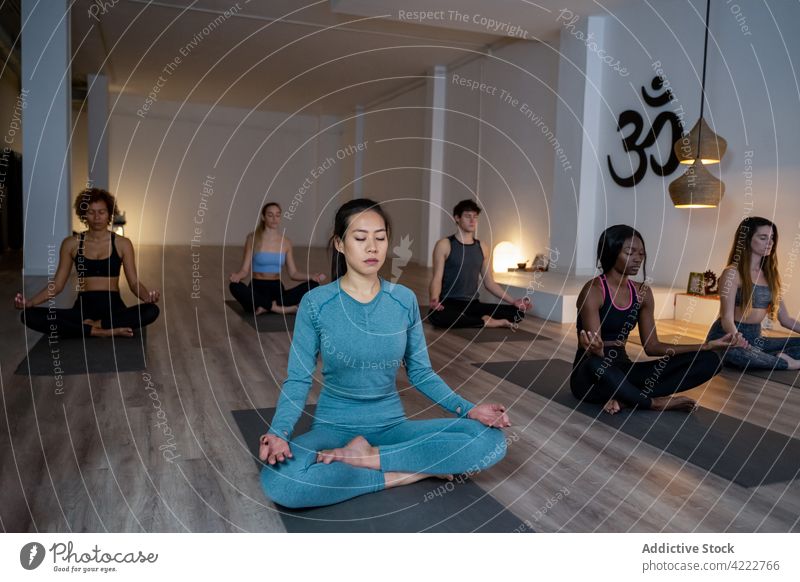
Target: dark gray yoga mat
x,y
739,451
495,334
430,505
265,323
71,356
788,377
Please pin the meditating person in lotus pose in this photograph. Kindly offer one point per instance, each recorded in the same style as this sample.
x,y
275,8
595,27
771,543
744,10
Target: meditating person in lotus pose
x,y
460,263
752,273
266,250
98,254
365,329
602,371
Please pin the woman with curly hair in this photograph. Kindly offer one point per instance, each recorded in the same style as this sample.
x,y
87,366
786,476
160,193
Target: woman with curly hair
x,y
98,254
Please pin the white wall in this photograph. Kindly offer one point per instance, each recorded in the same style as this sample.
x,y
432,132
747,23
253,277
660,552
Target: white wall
x,y
159,164
507,158
753,101
79,148
394,164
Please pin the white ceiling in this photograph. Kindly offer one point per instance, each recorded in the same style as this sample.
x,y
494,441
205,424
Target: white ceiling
x,y
287,55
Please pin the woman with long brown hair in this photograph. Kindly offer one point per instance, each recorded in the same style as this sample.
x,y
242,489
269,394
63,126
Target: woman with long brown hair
x,y
750,290
266,250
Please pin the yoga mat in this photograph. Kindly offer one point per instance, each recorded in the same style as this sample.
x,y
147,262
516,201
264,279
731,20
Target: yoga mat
x,y
788,377
100,355
265,323
496,334
431,505
736,450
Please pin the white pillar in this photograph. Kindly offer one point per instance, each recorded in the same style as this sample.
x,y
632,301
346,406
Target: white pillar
x,y
576,191
358,158
433,185
46,126
97,98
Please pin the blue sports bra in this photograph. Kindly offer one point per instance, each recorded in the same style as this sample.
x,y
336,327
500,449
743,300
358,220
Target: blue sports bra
x,y
268,263
762,296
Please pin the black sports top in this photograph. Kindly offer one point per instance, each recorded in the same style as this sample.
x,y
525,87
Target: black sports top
x,y
108,267
615,322
462,270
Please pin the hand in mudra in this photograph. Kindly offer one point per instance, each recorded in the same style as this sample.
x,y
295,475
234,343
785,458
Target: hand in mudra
x,y
729,340
591,342
524,304
273,449
490,414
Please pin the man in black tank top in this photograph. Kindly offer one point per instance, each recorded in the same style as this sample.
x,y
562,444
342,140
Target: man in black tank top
x,y
460,263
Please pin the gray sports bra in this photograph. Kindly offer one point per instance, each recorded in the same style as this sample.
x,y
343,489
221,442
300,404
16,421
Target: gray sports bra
x,y
762,296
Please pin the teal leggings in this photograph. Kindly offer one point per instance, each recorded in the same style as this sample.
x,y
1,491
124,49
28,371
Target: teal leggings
x,y
436,447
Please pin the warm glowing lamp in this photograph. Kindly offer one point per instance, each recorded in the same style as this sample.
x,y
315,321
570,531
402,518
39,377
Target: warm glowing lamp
x,y
698,188
506,255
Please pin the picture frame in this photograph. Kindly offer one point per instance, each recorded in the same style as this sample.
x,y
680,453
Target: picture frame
x,y
696,284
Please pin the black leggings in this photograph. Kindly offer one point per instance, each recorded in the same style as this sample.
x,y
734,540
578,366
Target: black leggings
x,y
261,293
598,380
460,313
107,306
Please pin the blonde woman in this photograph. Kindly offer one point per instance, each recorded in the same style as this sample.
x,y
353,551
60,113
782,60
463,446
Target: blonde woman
x,y
266,251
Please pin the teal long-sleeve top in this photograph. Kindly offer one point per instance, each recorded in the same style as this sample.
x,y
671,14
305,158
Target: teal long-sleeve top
x,y
362,346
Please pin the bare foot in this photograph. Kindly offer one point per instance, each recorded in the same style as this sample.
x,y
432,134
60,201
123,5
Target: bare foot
x,y
397,479
284,310
613,406
358,452
492,322
793,364
683,403
116,331
261,311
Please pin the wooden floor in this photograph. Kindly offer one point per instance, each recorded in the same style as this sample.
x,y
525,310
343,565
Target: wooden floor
x,y
89,459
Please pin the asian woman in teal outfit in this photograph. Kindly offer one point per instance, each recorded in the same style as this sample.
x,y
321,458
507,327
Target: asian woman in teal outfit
x,y
365,329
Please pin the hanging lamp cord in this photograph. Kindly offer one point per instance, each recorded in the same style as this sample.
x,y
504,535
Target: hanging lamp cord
x,y
703,85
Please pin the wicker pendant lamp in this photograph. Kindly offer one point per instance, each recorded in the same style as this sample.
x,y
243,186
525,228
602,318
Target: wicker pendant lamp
x,y
698,188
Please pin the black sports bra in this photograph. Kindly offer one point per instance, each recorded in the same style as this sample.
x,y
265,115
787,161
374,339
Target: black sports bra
x,y
108,267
